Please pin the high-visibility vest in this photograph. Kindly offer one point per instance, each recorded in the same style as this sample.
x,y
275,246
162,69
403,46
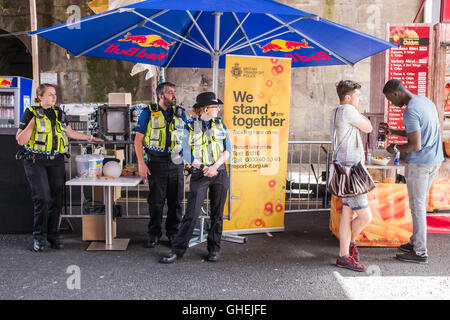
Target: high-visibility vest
x,y
207,142
156,134
47,139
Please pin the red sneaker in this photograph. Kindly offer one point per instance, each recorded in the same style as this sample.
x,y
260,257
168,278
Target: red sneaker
x,y
354,252
350,263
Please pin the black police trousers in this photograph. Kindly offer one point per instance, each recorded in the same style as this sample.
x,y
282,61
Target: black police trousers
x,y
46,179
166,181
199,185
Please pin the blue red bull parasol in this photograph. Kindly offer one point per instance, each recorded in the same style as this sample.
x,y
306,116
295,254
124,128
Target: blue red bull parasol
x,y
200,33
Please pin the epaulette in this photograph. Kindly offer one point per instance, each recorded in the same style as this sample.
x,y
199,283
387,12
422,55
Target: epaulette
x,y
38,110
179,111
218,120
153,107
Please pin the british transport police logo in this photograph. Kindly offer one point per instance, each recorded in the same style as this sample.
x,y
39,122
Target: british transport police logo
x,y
236,71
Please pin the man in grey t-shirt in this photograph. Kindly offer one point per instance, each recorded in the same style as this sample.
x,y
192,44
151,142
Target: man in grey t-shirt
x,y
424,148
349,150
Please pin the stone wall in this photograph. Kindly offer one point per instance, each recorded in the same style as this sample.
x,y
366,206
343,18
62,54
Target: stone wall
x,y
84,79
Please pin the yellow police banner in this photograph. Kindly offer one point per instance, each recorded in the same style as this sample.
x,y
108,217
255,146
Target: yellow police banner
x,y
256,103
99,6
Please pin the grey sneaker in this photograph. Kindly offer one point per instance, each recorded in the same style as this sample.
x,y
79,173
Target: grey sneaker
x,y
38,246
412,257
407,247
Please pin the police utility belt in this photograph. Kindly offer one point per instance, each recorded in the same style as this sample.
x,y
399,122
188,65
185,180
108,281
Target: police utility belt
x,y
190,170
27,155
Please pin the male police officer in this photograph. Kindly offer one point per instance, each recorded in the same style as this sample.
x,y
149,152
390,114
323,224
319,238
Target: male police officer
x,y
160,131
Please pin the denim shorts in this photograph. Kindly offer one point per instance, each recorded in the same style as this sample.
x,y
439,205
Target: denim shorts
x,y
356,203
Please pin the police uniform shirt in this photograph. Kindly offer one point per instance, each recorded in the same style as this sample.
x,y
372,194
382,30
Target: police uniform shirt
x,y
28,115
144,119
187,155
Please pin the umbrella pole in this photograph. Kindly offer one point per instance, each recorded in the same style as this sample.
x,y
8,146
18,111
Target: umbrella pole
x,y
215,54
215,65
34,47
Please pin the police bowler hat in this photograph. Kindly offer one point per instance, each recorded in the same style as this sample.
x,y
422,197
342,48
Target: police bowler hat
x,y
206,99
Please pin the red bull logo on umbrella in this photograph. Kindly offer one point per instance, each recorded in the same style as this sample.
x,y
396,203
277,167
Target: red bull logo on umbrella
x,y
284,45
151,40
115,49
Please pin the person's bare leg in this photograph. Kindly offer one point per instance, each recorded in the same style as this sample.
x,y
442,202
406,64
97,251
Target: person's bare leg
x,y
363,218
345,231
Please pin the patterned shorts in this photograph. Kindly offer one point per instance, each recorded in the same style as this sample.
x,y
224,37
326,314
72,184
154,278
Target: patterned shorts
x,y
356,203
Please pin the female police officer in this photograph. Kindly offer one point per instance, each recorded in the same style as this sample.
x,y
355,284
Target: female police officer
x,y
207,149
44,133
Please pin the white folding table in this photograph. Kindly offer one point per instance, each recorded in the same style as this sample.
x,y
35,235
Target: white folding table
x,y
110,243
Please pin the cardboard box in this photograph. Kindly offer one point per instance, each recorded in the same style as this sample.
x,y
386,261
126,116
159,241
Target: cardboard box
x,y
119,99
98,194
118,154
93,226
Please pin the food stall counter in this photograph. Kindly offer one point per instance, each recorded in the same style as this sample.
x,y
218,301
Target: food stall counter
x,y
391,223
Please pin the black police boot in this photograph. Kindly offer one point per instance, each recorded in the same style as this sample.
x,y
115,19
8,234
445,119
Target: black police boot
x,y
171,238
170,258
152,242
212,257
55,242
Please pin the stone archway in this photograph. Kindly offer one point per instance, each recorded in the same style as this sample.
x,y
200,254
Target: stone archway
x,y
15,60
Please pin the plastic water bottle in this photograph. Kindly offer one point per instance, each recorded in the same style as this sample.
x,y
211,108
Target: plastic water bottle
x,y
397,157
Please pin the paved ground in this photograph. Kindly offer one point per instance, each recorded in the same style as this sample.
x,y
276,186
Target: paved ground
x,y
297,264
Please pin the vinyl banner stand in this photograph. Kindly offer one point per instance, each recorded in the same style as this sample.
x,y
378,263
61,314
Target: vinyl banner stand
x,y
257,103
200,235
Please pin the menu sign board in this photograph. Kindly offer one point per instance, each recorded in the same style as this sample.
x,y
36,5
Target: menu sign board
x,y
445,11
408,63
447,98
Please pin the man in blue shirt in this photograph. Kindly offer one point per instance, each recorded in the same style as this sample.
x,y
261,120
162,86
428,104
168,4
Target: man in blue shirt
x,y
425,155
160,132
